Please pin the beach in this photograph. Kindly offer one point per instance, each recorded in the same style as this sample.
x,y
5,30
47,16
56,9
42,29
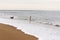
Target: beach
x,y
8,32
40,31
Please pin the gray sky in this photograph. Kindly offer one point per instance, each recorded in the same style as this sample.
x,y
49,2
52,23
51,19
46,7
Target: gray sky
x,y
30,4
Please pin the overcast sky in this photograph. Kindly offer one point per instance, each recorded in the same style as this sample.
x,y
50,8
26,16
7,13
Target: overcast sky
x,y
30,4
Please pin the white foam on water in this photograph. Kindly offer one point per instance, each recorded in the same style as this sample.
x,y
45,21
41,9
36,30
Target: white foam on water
x,y
42,31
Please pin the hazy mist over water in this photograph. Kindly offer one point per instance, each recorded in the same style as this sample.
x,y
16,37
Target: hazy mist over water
x,y
39,15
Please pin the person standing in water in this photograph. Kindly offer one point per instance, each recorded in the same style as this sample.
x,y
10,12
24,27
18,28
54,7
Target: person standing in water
x,y
30,19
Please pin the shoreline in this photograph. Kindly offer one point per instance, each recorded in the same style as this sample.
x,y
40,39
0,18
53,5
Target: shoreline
x,y
8,32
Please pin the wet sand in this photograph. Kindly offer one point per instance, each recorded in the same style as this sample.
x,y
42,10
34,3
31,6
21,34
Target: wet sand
x,y
8,32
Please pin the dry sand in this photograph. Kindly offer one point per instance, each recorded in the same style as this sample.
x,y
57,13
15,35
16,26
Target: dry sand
x,y
8,32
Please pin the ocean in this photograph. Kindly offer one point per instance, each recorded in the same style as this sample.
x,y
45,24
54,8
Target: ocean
x,y
39,16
